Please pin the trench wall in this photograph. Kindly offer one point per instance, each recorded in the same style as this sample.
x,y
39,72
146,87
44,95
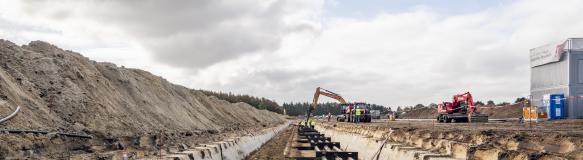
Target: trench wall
x,y
375,144
229,149
383,142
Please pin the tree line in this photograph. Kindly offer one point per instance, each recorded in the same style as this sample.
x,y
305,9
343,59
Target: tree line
x,y
257,102
334,108
300,108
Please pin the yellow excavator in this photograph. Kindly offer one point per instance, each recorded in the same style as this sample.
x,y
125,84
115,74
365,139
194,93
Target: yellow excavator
x,y
348,108
327,93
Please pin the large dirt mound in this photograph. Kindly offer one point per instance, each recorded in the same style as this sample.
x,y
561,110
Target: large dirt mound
x,y
507,111
63,91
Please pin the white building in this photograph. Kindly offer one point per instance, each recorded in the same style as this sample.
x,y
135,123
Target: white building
x,y
557,68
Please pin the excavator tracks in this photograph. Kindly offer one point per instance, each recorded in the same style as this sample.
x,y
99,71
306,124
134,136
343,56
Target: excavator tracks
x,y
456,118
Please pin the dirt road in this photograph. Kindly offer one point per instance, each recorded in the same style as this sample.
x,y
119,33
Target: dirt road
x,y
273,149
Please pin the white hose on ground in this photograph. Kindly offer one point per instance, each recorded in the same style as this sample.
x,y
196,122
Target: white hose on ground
x,y
378,152
11,115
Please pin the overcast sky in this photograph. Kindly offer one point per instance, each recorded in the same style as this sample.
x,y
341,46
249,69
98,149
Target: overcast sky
x,y
389,52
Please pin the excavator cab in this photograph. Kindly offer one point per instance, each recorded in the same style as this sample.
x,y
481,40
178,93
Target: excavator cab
x,y
348,108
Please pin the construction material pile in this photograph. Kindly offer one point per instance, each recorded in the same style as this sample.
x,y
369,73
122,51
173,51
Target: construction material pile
x,y
62,91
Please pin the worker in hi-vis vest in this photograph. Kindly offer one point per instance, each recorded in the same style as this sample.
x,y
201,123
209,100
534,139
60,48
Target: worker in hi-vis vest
x,y
357,115
312,123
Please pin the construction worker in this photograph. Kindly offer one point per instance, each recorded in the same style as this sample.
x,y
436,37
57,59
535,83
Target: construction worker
x,y
312,123
357,115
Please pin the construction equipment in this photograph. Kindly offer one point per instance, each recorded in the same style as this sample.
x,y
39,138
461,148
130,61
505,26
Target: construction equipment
x,y
461,109
348,108
375,114
327,93
365,112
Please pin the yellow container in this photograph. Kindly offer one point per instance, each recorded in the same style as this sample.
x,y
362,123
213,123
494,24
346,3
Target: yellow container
x,y
533,114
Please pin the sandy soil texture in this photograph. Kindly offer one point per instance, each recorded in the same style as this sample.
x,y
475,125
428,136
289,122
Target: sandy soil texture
x,y
274,148
501,140
122,108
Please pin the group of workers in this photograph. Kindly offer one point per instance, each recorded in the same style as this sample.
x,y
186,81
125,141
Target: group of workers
x,y
310,123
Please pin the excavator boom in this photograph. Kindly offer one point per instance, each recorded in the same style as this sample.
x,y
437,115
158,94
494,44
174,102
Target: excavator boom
x,y
324,92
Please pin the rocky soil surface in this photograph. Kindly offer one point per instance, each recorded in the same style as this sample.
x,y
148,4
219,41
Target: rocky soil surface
x,y
502,140
121,108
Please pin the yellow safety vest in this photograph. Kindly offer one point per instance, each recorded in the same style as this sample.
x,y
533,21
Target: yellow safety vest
x,y
357,112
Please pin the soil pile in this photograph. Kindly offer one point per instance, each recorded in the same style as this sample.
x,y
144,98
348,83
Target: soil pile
x,y
63,91
507,111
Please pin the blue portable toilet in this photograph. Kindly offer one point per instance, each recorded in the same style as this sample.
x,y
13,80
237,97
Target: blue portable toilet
x,y
556,106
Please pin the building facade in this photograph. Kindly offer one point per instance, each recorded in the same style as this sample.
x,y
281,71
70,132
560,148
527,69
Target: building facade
x,y
557,68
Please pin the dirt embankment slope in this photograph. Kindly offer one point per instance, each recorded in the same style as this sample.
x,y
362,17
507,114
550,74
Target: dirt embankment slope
x,y
508,111
122,108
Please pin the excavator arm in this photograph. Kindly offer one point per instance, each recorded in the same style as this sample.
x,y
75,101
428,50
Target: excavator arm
x,y
324,92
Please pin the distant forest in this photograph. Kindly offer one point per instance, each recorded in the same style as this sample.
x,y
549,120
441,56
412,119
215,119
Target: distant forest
x,y
257,102
295,109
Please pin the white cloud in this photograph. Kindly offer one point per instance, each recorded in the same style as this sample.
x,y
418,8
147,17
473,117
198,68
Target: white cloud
x,y
417,56
190,33
406,58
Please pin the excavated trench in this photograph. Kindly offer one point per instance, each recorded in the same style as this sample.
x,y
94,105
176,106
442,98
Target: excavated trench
x,y
377,145
384,142
235,148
